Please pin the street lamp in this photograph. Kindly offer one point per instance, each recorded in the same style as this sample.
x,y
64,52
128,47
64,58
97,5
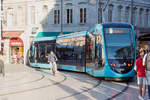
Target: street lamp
x,y
103,10
61,24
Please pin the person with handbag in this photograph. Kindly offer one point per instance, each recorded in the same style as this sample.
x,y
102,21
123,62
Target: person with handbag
x,y
141,75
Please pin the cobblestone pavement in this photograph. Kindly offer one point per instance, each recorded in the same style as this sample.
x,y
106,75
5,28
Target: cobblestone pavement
x,y
25,83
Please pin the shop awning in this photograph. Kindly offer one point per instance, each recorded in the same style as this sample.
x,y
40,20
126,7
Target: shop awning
x,y
145,37
11,34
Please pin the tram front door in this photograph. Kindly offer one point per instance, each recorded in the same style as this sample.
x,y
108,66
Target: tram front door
x,y
94,54
90,54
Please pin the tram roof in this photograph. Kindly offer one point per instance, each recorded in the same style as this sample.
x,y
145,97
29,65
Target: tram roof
x,y
50,34
81,33
44,36
126,25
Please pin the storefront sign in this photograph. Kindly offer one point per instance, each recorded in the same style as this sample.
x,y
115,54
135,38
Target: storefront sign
x,y
16,42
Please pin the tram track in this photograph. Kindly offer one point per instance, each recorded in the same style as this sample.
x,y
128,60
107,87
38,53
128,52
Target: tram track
x,y
97,85
43,74
24,83
33,89
84,91
78,93
121,92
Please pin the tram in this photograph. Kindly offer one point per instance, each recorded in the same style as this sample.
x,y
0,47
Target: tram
x,y
105,50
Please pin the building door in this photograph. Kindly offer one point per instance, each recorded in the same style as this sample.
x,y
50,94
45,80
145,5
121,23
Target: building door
x,y
16,51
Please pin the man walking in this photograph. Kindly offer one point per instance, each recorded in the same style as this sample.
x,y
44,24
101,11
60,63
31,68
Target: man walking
x,y
2,65
146,62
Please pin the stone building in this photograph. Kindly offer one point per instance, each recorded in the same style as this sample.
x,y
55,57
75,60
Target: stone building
x,y
23,19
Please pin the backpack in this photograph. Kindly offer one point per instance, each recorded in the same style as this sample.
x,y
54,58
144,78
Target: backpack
x,y
147,61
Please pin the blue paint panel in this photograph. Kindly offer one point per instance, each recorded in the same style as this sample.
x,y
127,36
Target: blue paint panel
x,y
107,72
71,68
40,65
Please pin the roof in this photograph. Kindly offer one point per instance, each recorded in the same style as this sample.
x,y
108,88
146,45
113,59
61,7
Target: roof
x,y
11,34
45,36
50,34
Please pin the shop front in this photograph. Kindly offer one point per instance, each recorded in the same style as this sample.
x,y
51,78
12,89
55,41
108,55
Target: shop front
x,y
16,51
143,38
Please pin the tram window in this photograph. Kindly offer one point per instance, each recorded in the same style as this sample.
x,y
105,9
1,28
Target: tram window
x,y
40,50
71,52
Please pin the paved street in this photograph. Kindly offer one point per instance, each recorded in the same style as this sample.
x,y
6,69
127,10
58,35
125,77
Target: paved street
x,y
25,83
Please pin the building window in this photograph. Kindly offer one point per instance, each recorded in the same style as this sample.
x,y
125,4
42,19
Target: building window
x,y
56,16
20,16
32,14
134,16
69,16
110,10
10,17
5,19
127,14
146,19
83,15
45,14
141,16
119,13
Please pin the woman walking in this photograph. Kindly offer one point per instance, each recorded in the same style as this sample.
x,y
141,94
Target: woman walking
x,y
141,75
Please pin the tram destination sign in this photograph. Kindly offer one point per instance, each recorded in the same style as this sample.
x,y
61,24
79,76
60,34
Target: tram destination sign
x,y
117,30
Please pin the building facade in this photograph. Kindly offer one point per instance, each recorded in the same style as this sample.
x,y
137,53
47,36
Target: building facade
x,y
23,19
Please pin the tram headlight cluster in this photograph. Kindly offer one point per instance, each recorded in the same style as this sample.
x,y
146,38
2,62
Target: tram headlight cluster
x,y
121,65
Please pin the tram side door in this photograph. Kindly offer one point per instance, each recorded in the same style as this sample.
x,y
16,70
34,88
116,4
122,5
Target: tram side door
x,y
90,54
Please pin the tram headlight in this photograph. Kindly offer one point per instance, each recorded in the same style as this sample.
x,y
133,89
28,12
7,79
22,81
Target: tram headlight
x,y
113,65
129,65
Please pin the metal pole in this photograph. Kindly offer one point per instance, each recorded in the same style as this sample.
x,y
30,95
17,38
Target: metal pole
x,y
100,12
61,25
104,9
132,12
1,4
107,2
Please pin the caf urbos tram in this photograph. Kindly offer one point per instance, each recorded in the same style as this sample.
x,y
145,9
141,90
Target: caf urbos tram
x,y
105,50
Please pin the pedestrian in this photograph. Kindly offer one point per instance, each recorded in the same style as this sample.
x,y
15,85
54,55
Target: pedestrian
x,y
141,75
2,71
52,61
146,63
18,57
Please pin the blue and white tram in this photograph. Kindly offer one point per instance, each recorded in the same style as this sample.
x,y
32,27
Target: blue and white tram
x,y
105,50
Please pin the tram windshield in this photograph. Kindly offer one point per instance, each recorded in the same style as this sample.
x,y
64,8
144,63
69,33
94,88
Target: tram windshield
x,y
119,43
39,51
